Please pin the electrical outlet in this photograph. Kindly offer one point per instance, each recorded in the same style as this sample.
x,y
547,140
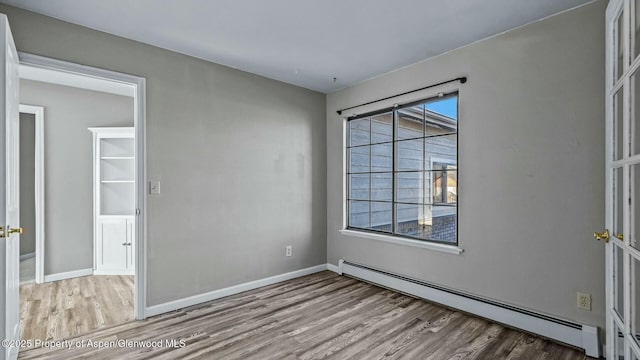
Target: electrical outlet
x,y
288,250
584,301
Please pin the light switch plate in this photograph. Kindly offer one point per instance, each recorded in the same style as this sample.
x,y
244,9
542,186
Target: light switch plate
x,y
154,187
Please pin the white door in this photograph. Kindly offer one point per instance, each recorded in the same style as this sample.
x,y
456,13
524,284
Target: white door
x,y
622,232
131,244
112,246
9,191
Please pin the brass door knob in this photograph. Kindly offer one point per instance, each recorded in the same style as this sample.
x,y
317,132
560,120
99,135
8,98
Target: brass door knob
x,y
17,230
602,236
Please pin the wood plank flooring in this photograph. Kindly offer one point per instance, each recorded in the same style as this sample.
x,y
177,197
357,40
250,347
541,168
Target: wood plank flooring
x,y
67,308
320,316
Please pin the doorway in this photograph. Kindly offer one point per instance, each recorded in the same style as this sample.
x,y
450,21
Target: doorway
x,y
80,283
32,194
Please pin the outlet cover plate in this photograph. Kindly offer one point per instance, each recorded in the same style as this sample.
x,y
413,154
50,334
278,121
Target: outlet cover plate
x,y
584,301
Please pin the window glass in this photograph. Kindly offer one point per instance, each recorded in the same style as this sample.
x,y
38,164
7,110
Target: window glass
x,y
403,171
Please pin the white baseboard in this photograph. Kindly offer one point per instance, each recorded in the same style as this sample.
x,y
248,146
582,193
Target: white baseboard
x,y
27,256
68,275
232,290
578,335
335,269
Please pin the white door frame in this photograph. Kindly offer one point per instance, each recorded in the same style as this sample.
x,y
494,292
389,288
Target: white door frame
x,y
38,112
139,83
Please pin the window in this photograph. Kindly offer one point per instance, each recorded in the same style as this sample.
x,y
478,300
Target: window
x,y
402,171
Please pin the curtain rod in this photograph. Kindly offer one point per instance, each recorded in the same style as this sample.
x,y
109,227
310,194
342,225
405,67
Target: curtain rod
x,y
462,79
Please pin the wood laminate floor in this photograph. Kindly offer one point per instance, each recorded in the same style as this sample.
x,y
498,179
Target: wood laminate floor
x,y
67,308
320,316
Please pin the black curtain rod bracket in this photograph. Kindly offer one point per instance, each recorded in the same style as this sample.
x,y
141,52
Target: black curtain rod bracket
x,y
462,79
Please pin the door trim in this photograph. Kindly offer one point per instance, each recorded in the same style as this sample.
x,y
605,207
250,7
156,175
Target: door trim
x,y
609,52
68,275
38,112
139,84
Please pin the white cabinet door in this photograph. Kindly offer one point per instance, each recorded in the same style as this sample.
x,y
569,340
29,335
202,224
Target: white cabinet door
x,y
131,247
112,248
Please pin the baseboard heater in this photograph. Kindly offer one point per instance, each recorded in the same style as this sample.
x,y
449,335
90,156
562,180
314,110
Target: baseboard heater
x,y
574,334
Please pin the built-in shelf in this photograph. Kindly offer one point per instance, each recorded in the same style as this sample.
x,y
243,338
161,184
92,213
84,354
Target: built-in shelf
x,y
114,200
117,158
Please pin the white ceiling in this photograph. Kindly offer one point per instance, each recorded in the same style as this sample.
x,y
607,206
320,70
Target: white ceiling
x,y
304,42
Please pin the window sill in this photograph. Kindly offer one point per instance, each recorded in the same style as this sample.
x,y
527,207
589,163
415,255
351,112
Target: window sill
x,y
451,249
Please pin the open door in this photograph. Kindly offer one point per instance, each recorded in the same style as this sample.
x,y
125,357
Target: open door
x,y
622,169
9,194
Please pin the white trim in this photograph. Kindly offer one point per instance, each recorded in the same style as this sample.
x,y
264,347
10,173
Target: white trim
x,y
609,61
232,290
591,341
124,132
27,256
75,80
139,121
38,112
450,249
334,268
140,105
585,337
68,275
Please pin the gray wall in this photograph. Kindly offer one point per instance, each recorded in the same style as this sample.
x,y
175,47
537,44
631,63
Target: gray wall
x,y
531,161
68,160
241,158
27,183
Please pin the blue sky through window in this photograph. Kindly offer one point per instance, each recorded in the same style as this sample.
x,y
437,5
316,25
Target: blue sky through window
x,y
447,107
